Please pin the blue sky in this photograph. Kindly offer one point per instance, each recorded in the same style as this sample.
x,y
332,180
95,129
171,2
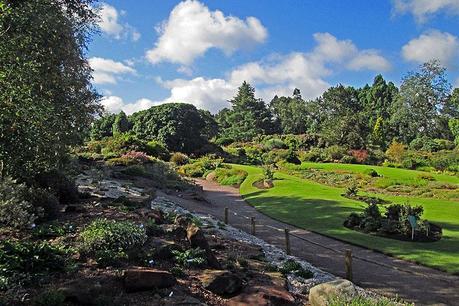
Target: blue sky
x,y
198,52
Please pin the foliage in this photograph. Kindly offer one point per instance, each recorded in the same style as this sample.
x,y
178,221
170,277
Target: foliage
x,y
109,241
15,209
229,176
59,184
352,191
396,151
46,96
157,149
291,113
247,118
179,159
50,298
275,143
181,127
291,266
200,167
454,127
190,258
23,261
371,172
268,173
343,300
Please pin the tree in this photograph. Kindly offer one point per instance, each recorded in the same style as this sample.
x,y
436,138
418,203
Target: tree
x,y
340,117
248,116
423,94
103,127
454,127
46,98
121,123
180,126
291,113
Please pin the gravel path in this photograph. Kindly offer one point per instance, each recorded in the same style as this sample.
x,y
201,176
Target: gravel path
x,y
374,271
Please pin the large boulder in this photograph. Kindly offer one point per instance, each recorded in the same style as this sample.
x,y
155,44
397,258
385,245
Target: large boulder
x,y
320,294
264,290
197,240
220,282
142,279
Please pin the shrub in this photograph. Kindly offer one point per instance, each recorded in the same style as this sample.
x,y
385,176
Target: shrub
x,y
346,159
24,261
313,155
190,258
333,153
361,156
275,143
225,176
157,149
44,202
109,241
424,143
371,172
179,159
292,158
342,300
200,166
50,298
15,210
59,184
141,157
352,191
268,173
396,151
224,141
291,266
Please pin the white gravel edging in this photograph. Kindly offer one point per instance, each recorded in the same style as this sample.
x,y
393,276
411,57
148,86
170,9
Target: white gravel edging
x,y
273,254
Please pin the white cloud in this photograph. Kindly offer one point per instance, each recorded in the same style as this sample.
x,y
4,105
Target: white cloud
x,y
107,71
192,29
442,46
185,70
279,74
423,9
109,24
210,94
369,59
114,104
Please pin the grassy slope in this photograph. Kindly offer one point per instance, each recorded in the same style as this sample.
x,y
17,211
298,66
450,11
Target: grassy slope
x,y
322,209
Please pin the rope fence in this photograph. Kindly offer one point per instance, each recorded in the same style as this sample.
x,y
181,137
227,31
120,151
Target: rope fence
x,y
347,253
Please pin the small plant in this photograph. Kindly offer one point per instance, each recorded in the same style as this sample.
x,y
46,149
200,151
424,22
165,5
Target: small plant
x,y
352,191
108,241
343,300
152,228
50,298
268,173
371,172
293,267
179,159
23,261
15,210
190,258
178,271
52,230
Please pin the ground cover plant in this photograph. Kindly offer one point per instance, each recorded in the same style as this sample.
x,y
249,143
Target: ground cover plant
x,y
323,209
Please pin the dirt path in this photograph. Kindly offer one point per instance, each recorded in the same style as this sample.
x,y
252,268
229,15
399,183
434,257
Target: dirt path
x,y
372,270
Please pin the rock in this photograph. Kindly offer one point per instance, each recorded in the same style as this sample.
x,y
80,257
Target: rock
x,y
319,295
143,279
83,291
165,251
223,283
198,240
263,290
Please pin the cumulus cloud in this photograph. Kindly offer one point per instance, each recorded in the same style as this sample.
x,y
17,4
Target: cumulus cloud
x,y
114,104
110,24
192,29
442,46
423,9
279,74
107,71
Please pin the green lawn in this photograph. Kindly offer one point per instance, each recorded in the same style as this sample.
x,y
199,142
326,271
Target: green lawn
x,y
322,209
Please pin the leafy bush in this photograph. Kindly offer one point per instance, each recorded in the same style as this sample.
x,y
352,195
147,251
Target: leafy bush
x,y
23,261
225,176
108,241
200,166
292,157
157,149
268,173
15,210
371,172
59,184
44,202
361,156
140,157
333,153
424,143
346,159
351,191
275,143
50,298
313,155
179,159
396,151
291,266
190,258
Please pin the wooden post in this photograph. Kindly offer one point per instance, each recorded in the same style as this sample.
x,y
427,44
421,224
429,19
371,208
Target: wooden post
x,y
348,264
252,220
226,215
287,241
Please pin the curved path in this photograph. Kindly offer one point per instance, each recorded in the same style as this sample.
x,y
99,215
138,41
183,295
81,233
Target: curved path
x,y
371,270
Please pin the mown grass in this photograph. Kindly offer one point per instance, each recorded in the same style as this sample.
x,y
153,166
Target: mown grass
x,y
322,209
